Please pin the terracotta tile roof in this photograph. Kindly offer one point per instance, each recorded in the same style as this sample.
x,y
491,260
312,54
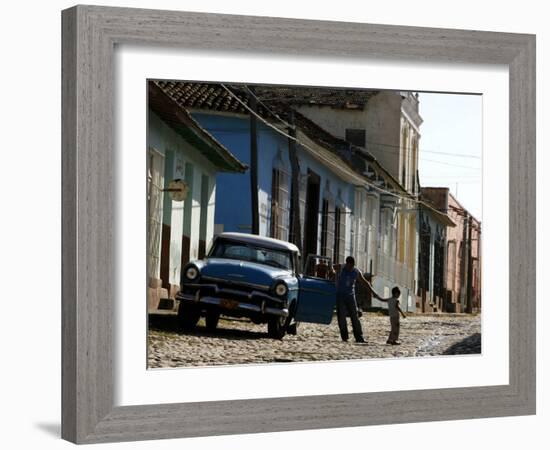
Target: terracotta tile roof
x,y
179,119
438,197
213,97
334,97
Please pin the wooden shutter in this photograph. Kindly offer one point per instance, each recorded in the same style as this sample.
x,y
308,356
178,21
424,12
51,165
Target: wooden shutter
x,y
283,197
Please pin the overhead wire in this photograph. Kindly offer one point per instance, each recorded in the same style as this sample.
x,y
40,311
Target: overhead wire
x,y
302,143
465,155
423,158
410,197
273,113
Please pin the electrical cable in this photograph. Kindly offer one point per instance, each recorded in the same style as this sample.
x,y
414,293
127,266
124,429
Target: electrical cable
x,y
413,198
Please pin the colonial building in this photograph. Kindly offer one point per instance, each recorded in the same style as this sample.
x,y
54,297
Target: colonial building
x,y
336,175
386,124
340,187
182,162
462,253
431,266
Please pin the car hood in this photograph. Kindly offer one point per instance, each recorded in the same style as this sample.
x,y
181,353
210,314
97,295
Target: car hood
x,y
243,271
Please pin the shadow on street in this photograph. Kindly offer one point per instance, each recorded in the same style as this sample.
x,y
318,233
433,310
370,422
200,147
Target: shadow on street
x,y
470,345
169,323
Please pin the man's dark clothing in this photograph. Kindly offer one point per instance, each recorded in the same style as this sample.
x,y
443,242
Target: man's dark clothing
x,y
346,282
347,305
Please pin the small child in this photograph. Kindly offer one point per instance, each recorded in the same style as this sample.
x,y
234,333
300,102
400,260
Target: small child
x,y
393,310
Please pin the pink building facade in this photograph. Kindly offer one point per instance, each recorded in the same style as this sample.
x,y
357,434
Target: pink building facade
x,y
463,253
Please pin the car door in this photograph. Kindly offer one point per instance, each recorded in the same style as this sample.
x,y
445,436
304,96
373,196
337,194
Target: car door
x,y
316,300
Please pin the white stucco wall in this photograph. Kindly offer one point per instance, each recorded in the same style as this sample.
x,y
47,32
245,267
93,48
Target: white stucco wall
x,y
381,120
163,138
176,220
383,129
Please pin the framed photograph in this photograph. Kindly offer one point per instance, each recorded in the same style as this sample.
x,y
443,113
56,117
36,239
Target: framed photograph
x,y
342,223
278,224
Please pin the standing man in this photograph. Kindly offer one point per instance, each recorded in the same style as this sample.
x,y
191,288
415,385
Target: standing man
x,y
345,299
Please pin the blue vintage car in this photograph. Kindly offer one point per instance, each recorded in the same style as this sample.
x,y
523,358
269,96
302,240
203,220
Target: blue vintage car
x,y
245,275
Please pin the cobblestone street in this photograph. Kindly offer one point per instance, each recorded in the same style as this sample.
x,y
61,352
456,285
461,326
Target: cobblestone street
x,y
242,342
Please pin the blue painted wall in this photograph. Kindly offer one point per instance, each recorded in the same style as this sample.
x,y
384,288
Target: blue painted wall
x,y
233,190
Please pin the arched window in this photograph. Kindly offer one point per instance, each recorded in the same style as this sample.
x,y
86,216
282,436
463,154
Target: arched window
x,y
414,165
404,155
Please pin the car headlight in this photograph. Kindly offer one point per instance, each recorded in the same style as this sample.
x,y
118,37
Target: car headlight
x,y
191,273
281,289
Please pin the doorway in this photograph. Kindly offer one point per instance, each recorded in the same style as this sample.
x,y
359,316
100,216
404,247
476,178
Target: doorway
x,y
312,213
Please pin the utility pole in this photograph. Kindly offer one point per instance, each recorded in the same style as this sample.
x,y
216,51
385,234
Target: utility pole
x,y
464,261
470,268
295,226
254,163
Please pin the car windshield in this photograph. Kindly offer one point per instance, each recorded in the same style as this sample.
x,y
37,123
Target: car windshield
x,y
253,253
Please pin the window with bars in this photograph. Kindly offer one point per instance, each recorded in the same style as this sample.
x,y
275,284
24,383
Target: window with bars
x,y
439,264
327,228
155,198
340,234
279,204
424,257
359,230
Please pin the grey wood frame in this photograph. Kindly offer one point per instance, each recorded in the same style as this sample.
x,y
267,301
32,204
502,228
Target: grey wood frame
x,y
89,34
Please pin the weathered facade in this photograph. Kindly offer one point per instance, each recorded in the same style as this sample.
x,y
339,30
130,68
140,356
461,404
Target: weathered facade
x,y
386,124
338,208
178,148
326,187
462,290
337,175
431,266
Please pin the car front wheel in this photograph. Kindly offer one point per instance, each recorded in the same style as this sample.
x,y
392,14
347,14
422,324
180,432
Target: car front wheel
x,y
212,319
188,316
276,327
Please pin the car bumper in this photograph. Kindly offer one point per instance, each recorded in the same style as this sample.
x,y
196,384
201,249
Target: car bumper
x,y
235,305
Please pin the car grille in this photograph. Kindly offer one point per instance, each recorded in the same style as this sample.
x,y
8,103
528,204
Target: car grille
x,y
232,290
231,284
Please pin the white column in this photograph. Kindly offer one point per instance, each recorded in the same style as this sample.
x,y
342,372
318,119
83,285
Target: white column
x,y
176,225
211,210
195,213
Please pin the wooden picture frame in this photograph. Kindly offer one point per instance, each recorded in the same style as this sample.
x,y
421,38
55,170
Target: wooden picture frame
x,y
89,34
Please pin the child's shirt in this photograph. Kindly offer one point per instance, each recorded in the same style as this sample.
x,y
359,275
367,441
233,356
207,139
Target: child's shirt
x,y
392,307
